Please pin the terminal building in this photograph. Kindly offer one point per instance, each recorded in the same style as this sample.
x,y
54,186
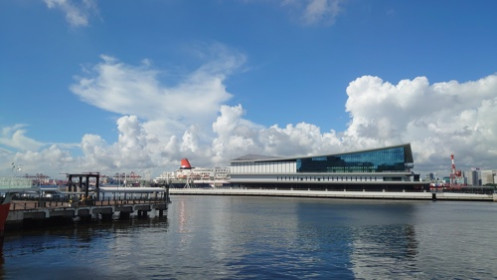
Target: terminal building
x,y
382,169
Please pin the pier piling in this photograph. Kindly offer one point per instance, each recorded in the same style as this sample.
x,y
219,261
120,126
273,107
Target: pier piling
x,y
31,215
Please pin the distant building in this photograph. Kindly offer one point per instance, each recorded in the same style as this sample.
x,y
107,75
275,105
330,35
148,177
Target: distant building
x,y
487,177
472,177
387,168
430,177
446,180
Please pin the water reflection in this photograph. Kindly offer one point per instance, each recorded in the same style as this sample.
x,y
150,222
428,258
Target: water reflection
x,y
80,250
385,250
244,237
356,238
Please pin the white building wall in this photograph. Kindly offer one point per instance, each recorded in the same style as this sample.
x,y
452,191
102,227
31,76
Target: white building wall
x,y
264,168
286,171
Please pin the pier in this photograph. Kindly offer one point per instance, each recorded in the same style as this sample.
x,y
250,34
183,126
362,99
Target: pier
x,y
106,204
82,199
34,214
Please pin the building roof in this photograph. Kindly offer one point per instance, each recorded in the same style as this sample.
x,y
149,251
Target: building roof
x,y
261,158
254,157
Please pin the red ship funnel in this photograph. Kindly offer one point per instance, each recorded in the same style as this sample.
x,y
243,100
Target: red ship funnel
x,y
185,164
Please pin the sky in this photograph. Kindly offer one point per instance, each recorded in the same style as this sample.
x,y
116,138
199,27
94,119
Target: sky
x,y
121,86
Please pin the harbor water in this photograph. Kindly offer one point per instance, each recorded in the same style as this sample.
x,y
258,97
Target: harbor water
x,y
224,237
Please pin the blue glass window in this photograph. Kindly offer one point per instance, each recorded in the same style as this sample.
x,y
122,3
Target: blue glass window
x,y
389,159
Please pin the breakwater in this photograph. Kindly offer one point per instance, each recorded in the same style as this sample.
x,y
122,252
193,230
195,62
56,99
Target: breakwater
x,y
337,194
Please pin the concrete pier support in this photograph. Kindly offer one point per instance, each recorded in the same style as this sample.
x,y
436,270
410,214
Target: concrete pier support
x,y
124,212
104,213
142,214
161,207
142,210
83,215
37,216
124,215
106,216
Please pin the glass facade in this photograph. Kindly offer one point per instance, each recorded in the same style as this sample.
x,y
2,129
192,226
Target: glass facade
x,y
388,159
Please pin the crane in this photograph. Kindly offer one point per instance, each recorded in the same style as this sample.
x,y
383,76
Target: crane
x,y
455,174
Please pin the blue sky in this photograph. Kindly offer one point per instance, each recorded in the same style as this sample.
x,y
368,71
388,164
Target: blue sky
x,y
137,85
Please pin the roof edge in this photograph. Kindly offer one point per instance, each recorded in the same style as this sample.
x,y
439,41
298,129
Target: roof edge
x,y
408,156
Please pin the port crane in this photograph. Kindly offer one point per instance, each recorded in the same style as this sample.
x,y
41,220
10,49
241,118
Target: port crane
x,y
454,175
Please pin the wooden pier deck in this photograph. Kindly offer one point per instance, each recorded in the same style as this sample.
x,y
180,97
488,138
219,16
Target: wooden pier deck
x,y
38,213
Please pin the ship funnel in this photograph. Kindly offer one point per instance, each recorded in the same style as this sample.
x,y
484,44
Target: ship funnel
x,y
185,164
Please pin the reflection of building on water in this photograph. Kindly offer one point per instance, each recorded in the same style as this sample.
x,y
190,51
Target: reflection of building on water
x,y
380,250
182,217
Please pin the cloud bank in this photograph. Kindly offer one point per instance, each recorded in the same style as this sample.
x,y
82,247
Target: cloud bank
x,y
162,123
438,119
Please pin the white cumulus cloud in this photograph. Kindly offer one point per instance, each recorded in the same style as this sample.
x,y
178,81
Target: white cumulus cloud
x,y
438,119
15,137
126,89
76,12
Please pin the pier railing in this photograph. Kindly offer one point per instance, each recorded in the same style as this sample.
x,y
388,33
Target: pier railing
x,y
36,203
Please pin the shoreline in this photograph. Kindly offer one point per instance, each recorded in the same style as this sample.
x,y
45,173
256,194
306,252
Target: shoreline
x,y
444,196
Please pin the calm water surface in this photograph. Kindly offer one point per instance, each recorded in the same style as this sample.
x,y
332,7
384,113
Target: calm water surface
x,y
209,237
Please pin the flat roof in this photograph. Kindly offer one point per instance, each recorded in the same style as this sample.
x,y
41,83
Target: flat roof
x,y
261,158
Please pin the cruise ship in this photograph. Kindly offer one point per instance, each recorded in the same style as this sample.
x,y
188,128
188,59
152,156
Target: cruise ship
x,y
187,176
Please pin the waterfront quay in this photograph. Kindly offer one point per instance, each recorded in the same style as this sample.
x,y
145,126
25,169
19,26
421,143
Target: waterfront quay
x,y
345,194
39,213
